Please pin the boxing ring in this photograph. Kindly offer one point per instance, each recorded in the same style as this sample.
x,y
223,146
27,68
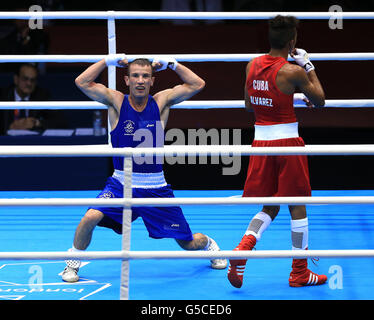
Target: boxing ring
x,y
124,254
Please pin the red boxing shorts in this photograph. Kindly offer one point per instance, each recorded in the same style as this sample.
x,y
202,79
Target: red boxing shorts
x,y
278,176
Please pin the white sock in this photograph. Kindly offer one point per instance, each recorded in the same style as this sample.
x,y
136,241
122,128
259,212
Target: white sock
x,y
73,263
208,243
299,234
258,225
74,249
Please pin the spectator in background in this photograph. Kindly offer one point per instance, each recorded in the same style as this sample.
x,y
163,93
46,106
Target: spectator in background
x,y
25,88
20,39
192,5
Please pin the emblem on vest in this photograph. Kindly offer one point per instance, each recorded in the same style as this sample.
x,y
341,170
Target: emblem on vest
x,y
129,127
107,195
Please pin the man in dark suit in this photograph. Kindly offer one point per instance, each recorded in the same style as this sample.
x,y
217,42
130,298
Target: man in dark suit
x,y
24,88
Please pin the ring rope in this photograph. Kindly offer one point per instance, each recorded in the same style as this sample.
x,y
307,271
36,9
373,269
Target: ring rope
x,y
188,150
191,104
223,57
137,255
123,255
170,202
145,15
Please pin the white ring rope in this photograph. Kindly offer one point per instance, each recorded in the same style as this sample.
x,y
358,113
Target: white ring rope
x,y
53,105
144,15
169,202
223,57
105,151
190,104
132,255
100,150
178,150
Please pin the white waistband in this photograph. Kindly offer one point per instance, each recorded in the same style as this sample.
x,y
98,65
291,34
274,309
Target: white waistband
x,y
277,131
147,180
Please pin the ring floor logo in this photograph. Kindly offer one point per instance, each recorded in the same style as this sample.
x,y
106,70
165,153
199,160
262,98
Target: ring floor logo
x,y
28,281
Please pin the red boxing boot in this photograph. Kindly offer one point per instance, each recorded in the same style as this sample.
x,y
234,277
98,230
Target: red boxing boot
x,y
237,267
301,276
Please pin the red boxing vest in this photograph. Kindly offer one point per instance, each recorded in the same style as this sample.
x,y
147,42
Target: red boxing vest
x,y
270,105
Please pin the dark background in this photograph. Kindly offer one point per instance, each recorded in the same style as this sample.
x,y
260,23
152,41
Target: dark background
x,y
224,81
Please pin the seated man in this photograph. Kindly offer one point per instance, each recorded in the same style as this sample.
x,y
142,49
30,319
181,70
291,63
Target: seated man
x,y
25,88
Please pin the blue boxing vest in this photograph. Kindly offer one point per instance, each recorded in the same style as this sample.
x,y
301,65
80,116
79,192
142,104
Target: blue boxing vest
x,y
139,129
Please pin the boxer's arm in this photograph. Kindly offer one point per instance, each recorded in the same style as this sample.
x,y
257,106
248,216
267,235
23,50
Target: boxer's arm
x,y
310,85
246,98
95,91
306,80
192,84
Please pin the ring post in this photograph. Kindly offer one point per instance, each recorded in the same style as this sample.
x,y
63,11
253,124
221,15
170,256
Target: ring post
x,y
111,50
126,226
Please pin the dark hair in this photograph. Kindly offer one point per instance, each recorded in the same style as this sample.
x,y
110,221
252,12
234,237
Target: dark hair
x,y
282,29
30,65
140,62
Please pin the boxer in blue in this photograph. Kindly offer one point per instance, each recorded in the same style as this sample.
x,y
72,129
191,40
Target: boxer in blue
x,y
139,119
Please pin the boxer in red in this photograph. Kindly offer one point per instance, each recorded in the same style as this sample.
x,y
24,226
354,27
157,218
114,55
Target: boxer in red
x,y
270,84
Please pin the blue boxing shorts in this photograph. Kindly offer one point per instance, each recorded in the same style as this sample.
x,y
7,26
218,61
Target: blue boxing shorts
x,y
161,222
